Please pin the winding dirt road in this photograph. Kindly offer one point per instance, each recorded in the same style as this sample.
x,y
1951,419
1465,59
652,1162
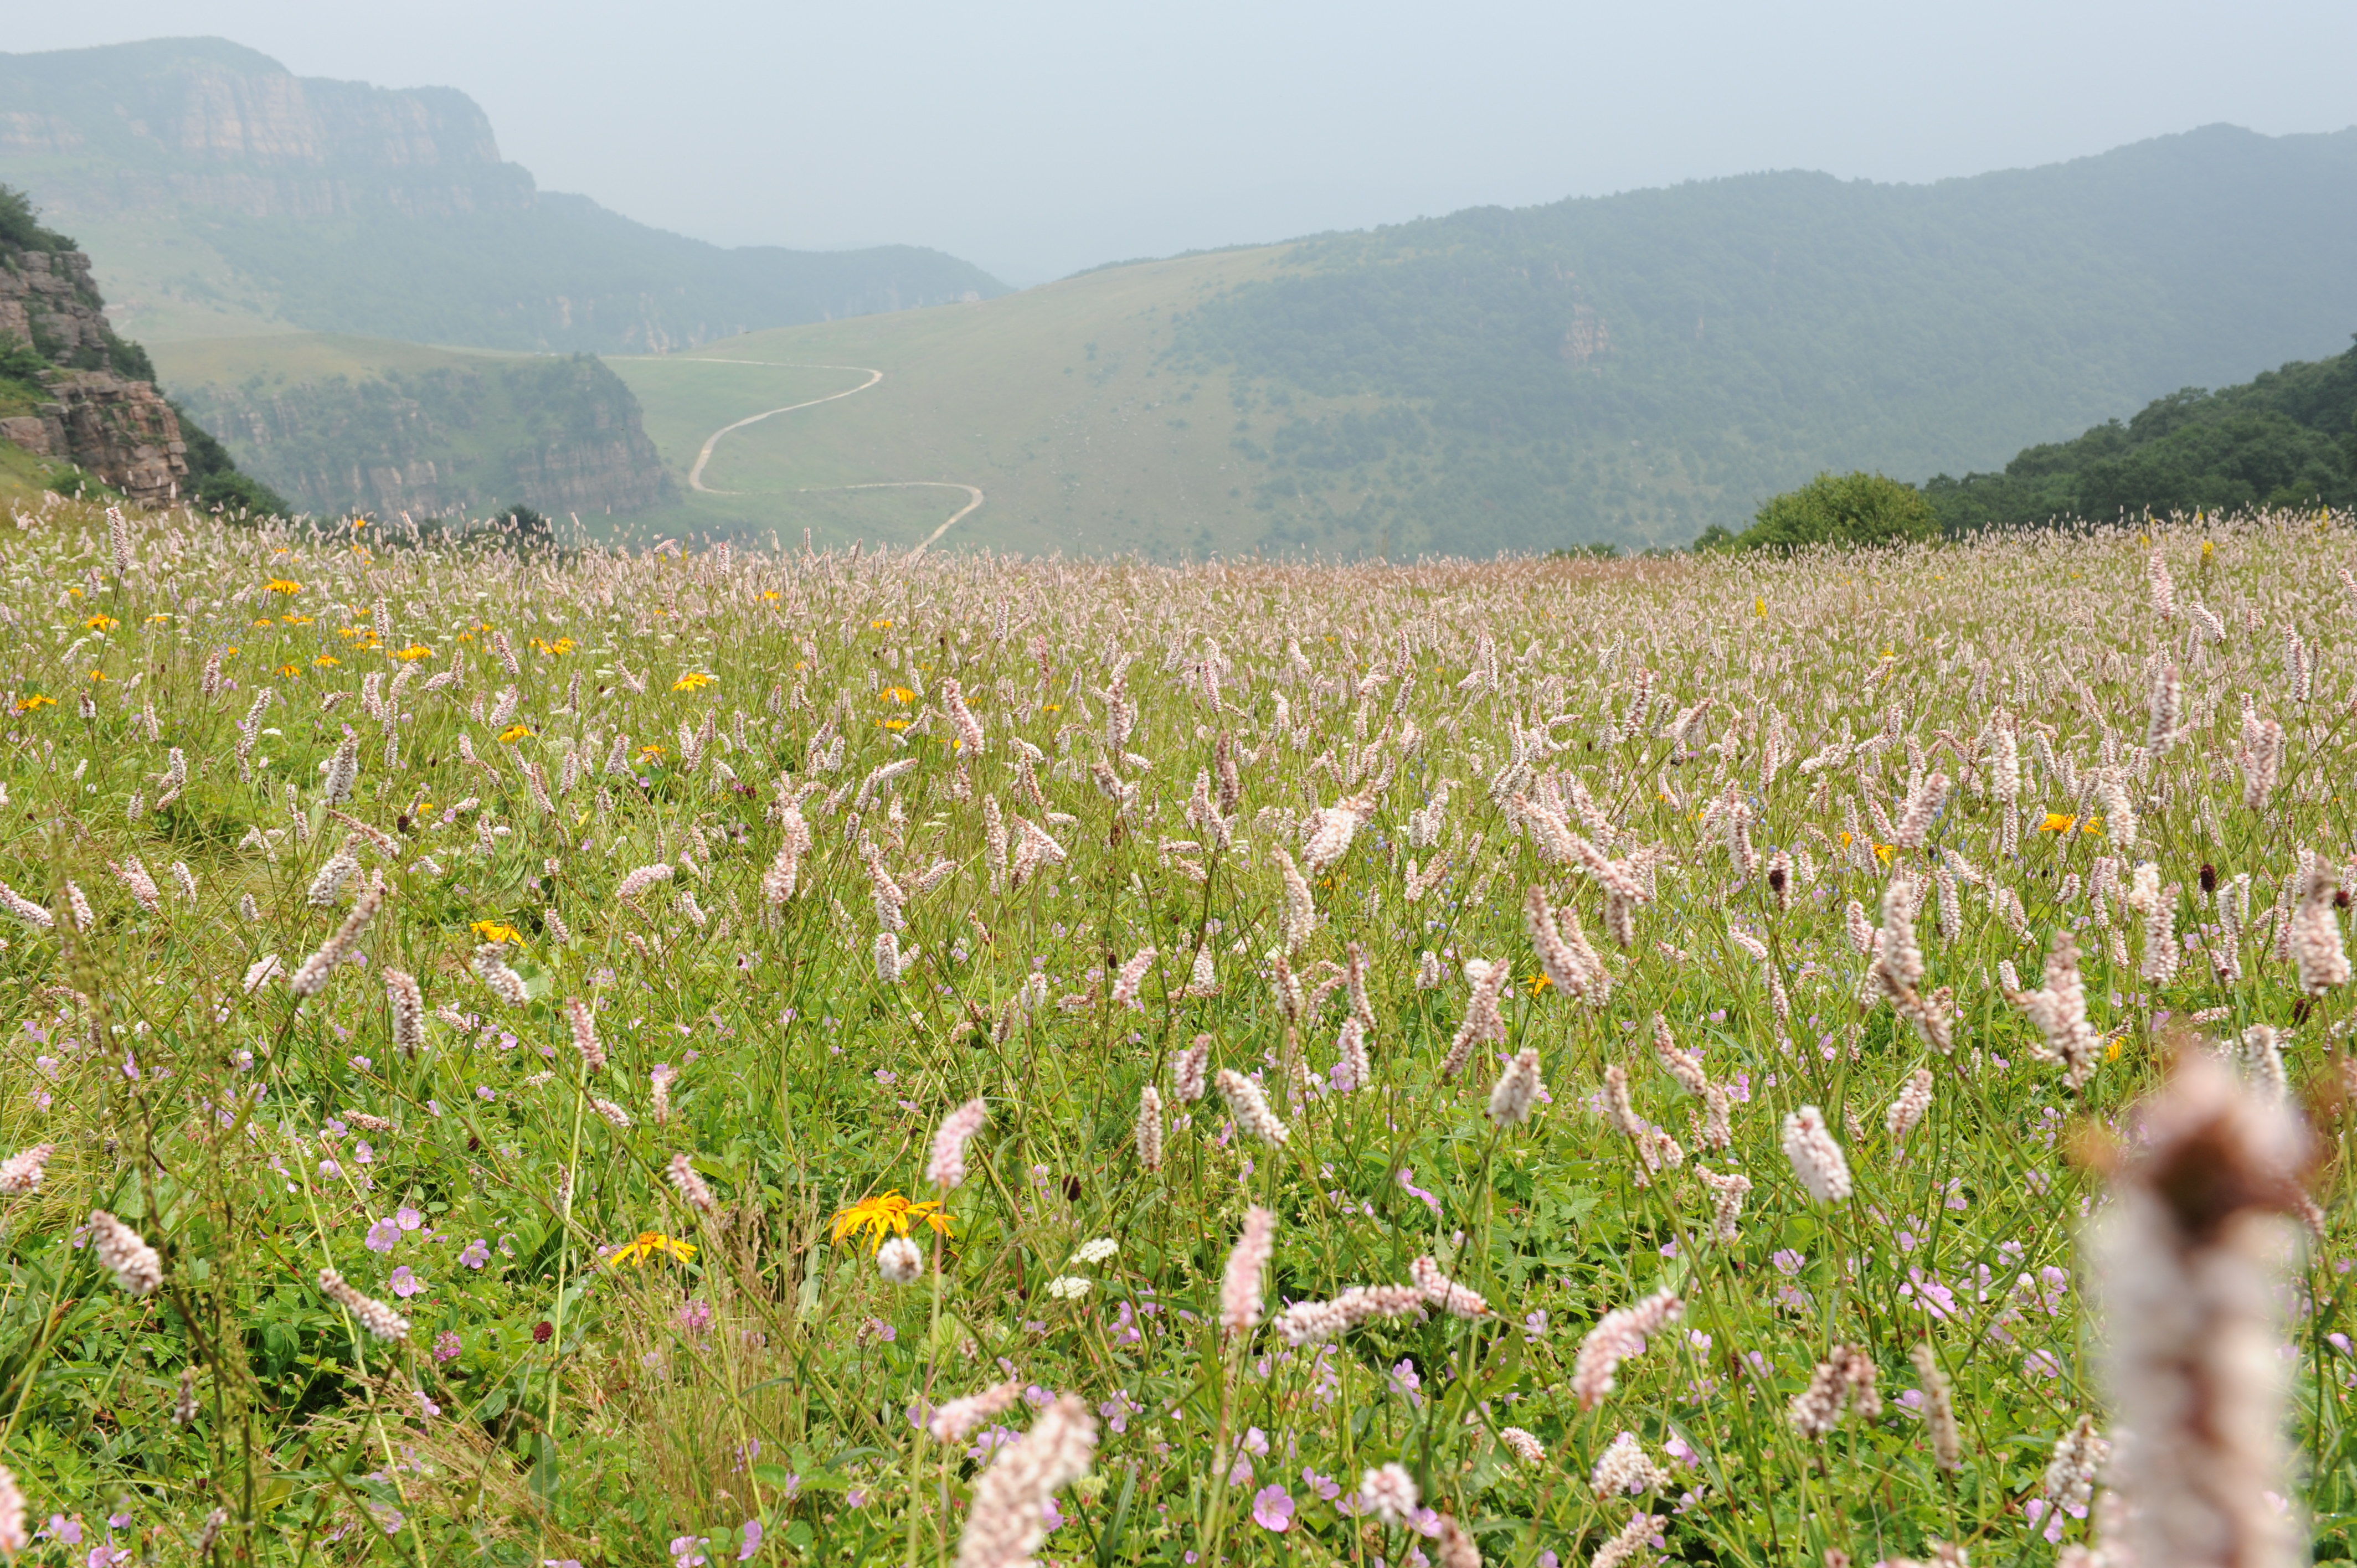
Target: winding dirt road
x,y
695,474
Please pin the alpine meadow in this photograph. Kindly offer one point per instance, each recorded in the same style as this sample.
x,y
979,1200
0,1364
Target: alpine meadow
x,y
790,1055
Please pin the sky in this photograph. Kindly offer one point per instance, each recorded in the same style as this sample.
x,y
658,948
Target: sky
x,y
1042,138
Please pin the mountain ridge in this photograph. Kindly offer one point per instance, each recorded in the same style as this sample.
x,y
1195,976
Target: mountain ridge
x,y
223,195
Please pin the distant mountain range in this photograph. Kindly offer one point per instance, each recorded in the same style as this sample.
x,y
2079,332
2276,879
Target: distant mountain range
x,y
1632,368
222,195
1624,370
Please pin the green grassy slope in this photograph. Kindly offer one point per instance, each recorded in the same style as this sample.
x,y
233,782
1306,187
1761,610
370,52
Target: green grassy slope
x,y
1626,369
1056,401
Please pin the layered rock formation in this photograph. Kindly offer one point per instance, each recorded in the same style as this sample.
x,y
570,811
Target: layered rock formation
x,y
121,431
114,425
557,435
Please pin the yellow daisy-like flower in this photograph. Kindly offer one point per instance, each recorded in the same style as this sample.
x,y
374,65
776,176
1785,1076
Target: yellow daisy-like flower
x,y
879,625
1540,981
693,681
265,624
2092,825
888,1214
282,585
494,931
1883,852
159,618
649,753
2056,823
291,671
98,675
326,662
32,704
515,733
894,723
101,623
653,1244
769,596
296,621
900,694
413,653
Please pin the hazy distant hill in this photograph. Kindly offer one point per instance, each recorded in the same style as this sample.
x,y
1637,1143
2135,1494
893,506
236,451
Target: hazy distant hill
x,y
1627,369
1634,367
221,195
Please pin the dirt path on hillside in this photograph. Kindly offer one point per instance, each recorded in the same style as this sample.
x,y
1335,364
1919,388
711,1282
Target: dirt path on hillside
x,y
695,474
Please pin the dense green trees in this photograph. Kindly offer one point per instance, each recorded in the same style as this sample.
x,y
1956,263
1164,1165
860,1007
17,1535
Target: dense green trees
x,y
2286,438
1835,509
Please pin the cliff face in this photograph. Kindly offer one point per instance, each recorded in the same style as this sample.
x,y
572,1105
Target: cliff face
x,y
207,124
224,196
115,427
121,431
558,435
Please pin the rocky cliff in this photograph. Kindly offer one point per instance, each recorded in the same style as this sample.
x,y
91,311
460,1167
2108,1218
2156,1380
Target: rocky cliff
x,y
223,194
74,403
70,389
471,435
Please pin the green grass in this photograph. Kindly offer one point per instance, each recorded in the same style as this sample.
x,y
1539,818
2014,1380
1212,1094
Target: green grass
x,y
603,1174
1051,401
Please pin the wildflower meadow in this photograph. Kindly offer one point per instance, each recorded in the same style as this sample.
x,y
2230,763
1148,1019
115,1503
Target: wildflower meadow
x,y
708,1055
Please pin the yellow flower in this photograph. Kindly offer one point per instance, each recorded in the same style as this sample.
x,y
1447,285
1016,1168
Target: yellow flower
x,y
2092,825
157,619
296,621
889,1213
649,753
282,585
879,625
894,723
292,672
1759,607
695,679
900,694
493,931
769,596
1053,708
1540,981
562,645
1883,852
2112,1051
326,662
98,674
31,704
101,622
413,653
515,733
2056,823
2209,549
653,1244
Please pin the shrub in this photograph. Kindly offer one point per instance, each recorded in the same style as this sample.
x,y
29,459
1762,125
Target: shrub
x,y
1845,509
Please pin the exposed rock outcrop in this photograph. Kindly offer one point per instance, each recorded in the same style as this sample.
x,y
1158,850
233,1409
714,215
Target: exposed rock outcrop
x,y
117,427
121,431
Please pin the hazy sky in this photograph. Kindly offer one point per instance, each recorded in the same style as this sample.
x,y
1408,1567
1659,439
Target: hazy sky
x,y
1040,138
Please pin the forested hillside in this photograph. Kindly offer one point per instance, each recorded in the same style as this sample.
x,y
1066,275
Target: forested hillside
x,y
1634,367
2288,438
